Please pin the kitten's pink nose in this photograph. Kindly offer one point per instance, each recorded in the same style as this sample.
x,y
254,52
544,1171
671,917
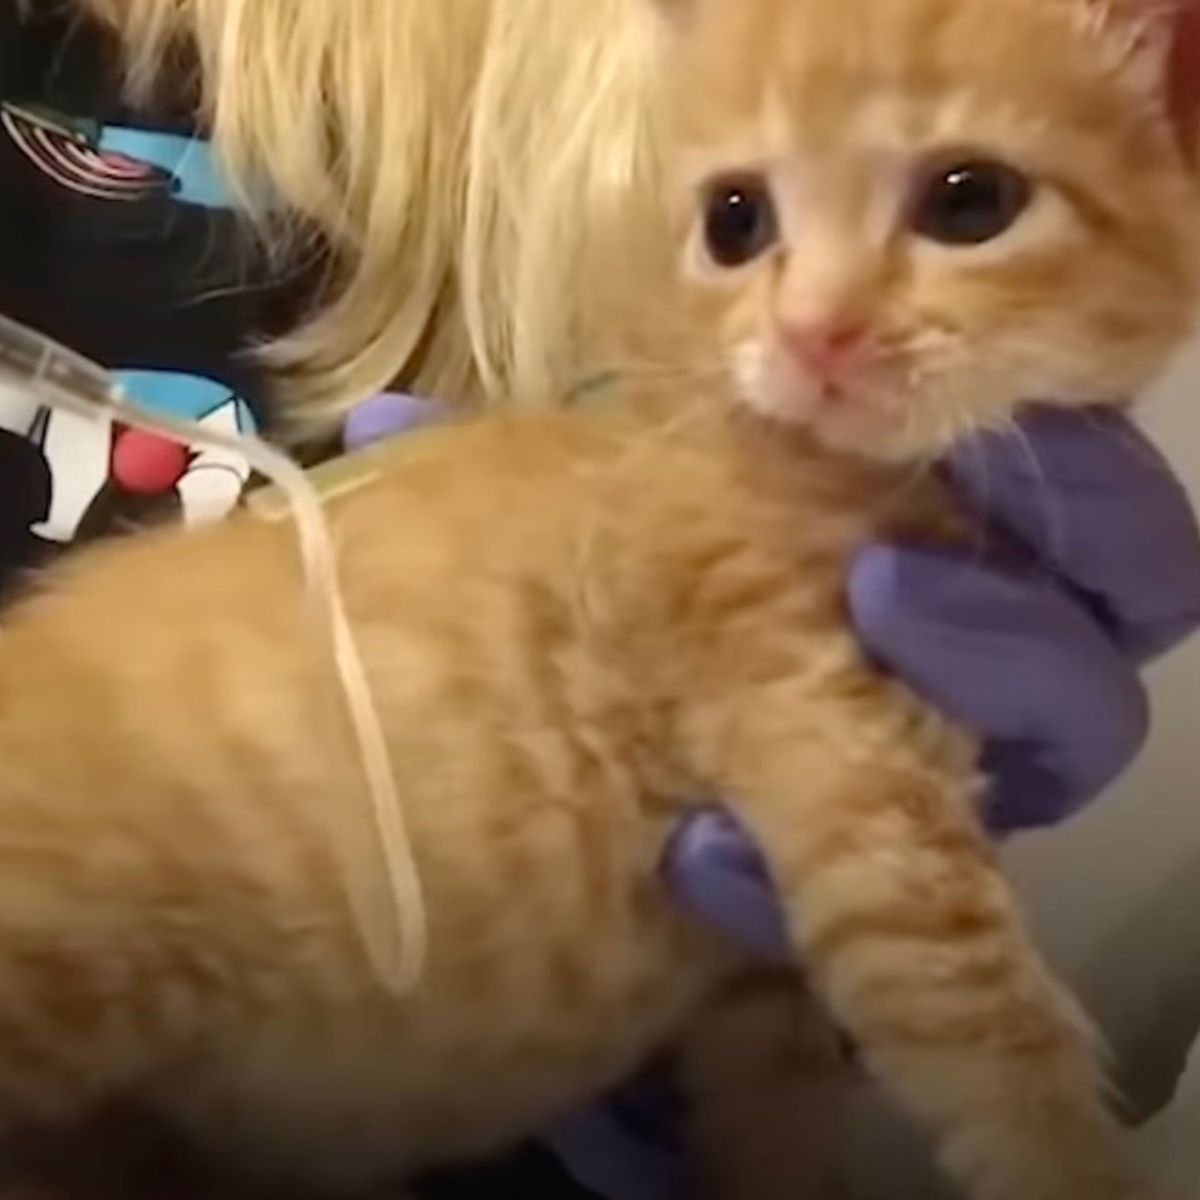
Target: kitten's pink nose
x,y
829,348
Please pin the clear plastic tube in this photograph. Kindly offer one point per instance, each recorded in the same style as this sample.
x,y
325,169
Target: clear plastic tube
x,y
396,941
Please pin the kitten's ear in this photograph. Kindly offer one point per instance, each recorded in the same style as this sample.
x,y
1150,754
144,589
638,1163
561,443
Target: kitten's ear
x,y
1160,49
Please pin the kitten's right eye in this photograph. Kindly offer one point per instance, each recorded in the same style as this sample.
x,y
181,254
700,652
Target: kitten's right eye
x,y
739,220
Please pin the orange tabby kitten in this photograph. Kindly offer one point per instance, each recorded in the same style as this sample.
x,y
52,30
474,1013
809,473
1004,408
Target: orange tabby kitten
x,y
903,216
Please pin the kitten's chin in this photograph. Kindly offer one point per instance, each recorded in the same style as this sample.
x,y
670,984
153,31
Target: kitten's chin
x,y
868,423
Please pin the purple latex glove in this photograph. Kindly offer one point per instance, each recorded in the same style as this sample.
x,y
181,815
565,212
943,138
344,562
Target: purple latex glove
x,y
1040,658
386,415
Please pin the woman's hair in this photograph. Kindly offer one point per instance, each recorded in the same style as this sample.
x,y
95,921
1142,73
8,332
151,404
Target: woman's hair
x,y
461,160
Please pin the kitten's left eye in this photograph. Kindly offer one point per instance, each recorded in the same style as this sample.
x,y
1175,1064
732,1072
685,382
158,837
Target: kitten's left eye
x,y
739,220
971,203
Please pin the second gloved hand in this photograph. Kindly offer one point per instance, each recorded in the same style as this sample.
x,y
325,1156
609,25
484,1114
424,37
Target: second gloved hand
x,y
1042,659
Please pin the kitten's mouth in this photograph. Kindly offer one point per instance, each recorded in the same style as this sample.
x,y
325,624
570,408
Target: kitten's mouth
x,y
856,417
867,401
864,415
870,409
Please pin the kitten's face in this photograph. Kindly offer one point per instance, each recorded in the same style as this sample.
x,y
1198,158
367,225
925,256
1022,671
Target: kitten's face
x,y
913,215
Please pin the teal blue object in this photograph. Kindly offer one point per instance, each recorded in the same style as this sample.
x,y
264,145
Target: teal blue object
x,y
187,397
190,162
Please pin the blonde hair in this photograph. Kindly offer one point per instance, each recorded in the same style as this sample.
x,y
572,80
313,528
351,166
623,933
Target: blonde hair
x,y
465,161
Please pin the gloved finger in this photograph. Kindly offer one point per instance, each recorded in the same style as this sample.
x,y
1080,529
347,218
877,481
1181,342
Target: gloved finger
x,y
1090,495
717,873
1015,658
1011,656
386,415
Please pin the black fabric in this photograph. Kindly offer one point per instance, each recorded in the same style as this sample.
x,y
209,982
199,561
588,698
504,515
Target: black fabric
x,y
104,255
44,52
529,1173
143,283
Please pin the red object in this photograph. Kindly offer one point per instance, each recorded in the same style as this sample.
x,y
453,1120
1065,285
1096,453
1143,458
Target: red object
x,y
145,464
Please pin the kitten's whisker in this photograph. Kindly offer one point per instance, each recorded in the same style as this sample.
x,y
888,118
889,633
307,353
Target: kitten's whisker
x,y
690,415
970,443
1055,523
642,367
1129,440
672,375
916,474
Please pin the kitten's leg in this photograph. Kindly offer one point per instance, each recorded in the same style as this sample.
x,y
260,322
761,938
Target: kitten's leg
x,y
913,936
764,1074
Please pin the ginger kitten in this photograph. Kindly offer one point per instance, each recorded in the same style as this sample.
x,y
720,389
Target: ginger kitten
x,y
903,217
920,212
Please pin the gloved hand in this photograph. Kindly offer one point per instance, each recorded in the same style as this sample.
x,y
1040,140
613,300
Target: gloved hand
x,y
1041,656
